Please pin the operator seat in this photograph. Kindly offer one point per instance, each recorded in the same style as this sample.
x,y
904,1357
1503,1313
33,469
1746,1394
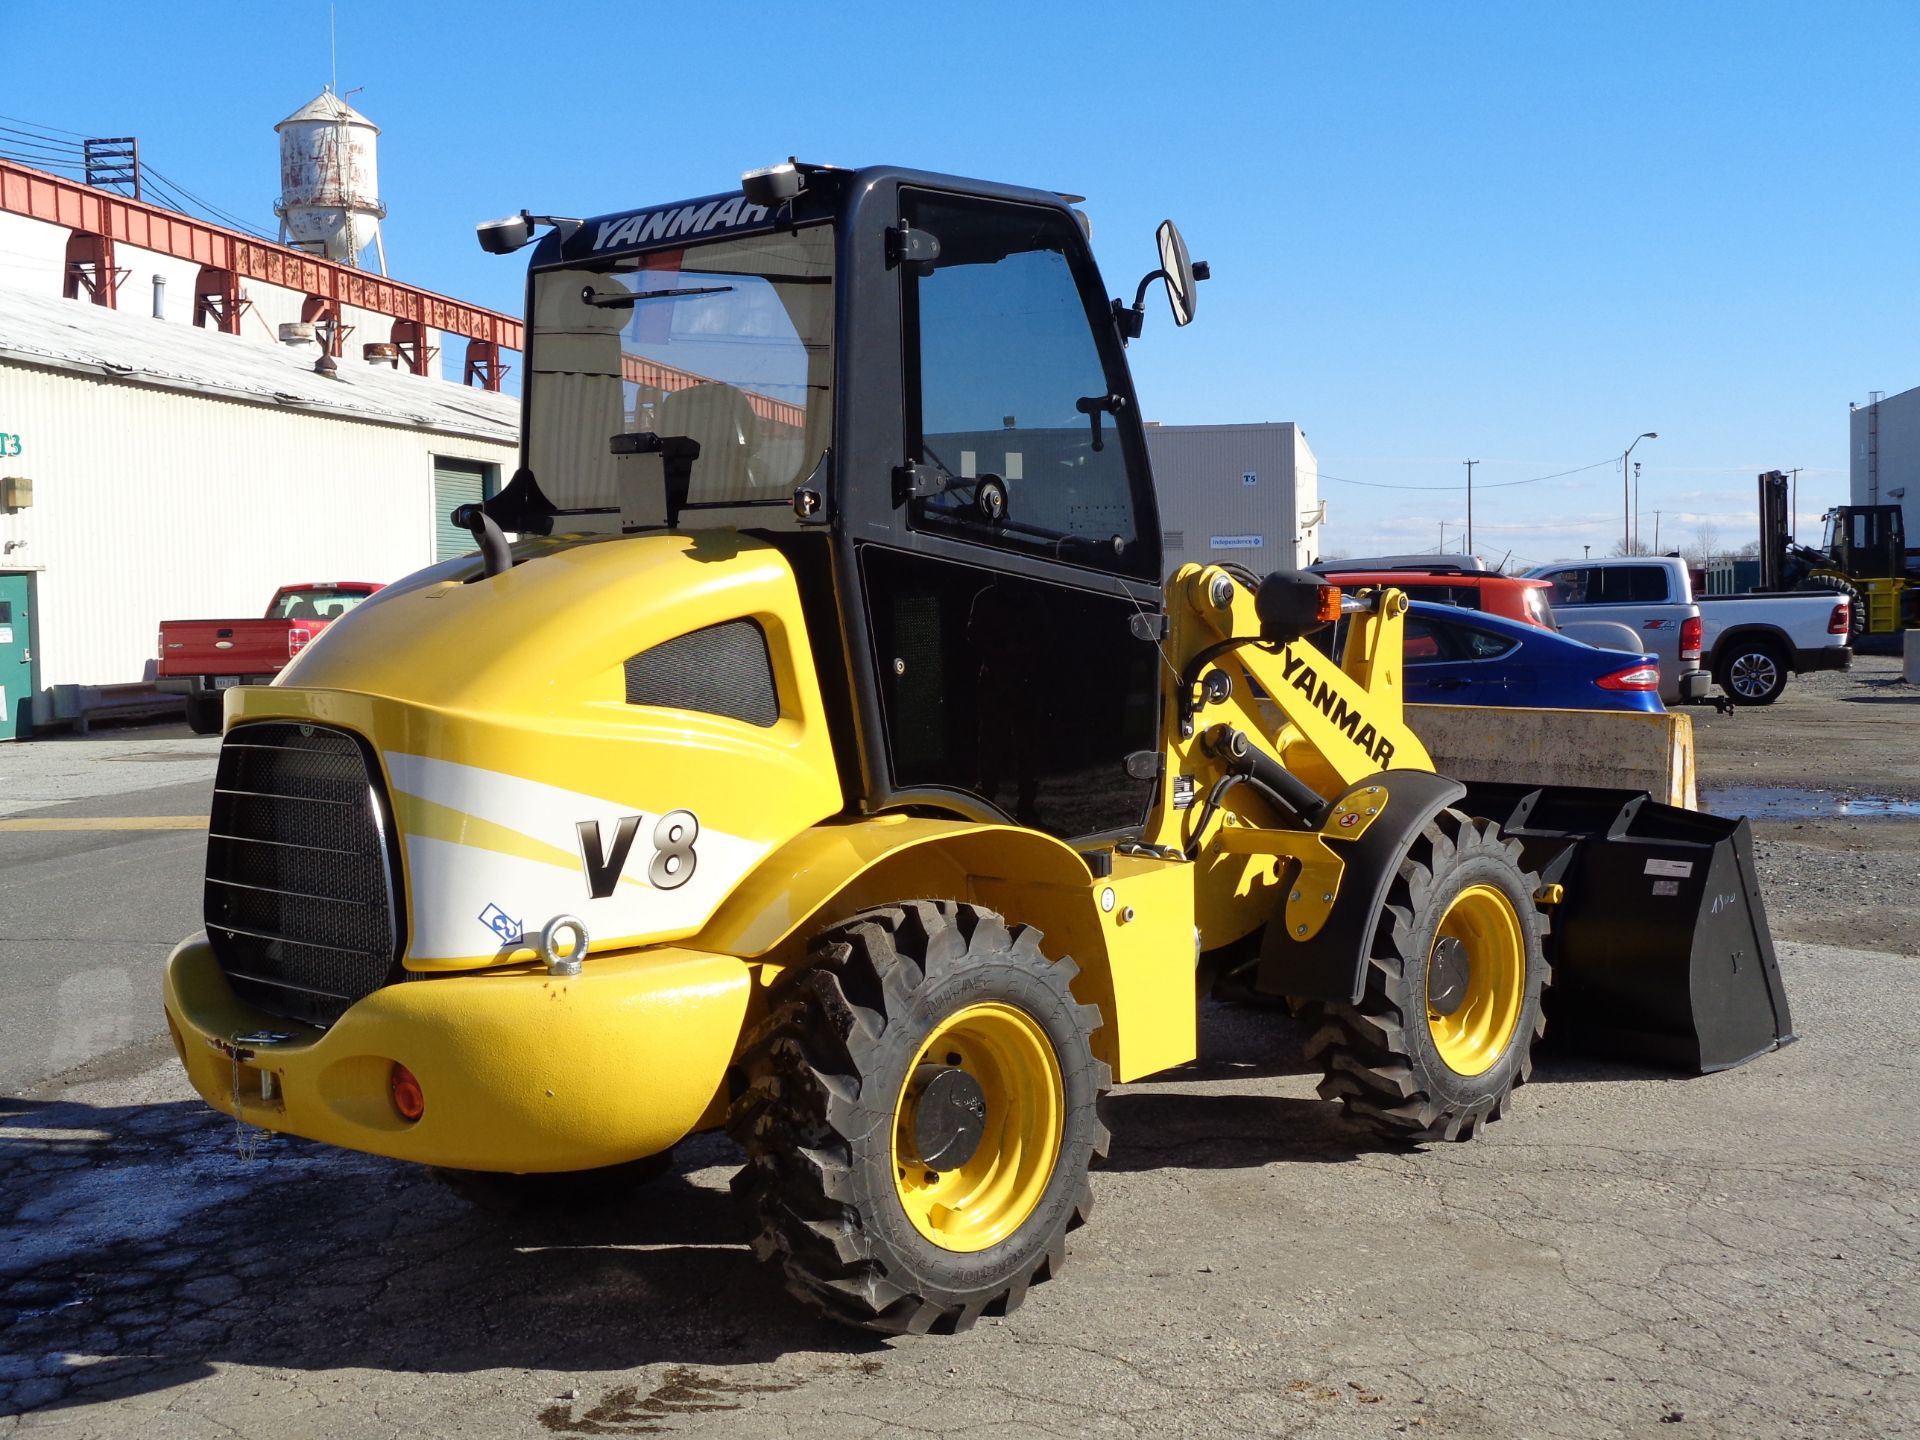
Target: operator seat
x,y
721,418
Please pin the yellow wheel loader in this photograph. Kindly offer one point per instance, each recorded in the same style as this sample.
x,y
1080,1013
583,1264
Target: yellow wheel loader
x,y
815,747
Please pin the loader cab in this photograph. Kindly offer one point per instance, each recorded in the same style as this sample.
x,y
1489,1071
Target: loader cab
x,y
916,387
1866,541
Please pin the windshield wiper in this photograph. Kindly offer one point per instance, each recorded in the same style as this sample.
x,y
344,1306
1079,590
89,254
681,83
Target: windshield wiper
x,y
1060,539
618,299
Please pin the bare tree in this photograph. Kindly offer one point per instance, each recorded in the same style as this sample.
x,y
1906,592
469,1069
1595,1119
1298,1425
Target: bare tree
x,y
1630,547
1704,547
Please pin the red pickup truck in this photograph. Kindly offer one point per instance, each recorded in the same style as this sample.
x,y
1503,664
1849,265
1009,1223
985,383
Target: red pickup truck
x,y
201,658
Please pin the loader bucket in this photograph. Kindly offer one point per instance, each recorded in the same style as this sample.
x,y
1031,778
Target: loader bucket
x,y
1659,944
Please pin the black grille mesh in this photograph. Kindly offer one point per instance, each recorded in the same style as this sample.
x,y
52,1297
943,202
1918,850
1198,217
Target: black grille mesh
x,y
721,670
299,904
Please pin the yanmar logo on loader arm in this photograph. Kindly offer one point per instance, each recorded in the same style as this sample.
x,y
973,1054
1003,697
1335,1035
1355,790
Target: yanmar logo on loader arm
x,y
1349,722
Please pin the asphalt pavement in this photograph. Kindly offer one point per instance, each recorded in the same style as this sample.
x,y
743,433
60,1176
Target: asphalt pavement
x,y
1627,1253
87,916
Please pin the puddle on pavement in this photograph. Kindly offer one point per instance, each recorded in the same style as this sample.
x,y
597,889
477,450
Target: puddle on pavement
x,y
1786,802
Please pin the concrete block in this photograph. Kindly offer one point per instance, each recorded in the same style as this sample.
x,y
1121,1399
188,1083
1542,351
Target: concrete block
x,y
1609,749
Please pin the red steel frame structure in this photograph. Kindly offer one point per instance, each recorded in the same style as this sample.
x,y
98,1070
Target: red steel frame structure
x,y
226,257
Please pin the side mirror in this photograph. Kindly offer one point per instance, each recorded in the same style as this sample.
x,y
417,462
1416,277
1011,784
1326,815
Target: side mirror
x,y
1177,269
1181,275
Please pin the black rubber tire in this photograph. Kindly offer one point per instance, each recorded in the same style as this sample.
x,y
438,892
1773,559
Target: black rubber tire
x,y
817,1116
1379,1056
1833,585
1752,672
205,712
503,1194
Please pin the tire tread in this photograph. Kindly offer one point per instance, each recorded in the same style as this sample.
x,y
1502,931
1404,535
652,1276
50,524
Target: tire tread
x,y
799,1110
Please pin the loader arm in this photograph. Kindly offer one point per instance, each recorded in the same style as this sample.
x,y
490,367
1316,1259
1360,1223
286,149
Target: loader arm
x,y
1328,726
1330,723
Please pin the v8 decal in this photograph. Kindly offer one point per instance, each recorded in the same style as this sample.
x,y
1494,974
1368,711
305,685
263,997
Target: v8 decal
x,y
673,856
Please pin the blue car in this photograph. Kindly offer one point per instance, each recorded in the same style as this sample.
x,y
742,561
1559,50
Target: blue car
x,y
1467,657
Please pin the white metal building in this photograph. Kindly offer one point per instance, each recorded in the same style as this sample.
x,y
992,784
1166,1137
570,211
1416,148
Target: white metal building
x,y
1884,443
1246,493
182,473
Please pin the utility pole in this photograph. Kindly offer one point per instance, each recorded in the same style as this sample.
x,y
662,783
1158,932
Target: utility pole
x,y
1627,534
1470,464
1656,528
1636,505
1443,538
1586,552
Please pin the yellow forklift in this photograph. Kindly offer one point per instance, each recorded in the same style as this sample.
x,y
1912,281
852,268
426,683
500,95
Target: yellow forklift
x,y
815,747
1863,556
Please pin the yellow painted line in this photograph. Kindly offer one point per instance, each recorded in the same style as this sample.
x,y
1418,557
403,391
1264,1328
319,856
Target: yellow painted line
x,y
108,822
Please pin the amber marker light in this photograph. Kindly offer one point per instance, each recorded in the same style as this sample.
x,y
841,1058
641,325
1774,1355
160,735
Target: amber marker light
x,y
408,1098
1329,603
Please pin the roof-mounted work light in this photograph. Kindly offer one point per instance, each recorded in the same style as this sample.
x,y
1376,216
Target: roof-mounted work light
x,y
772,186
506,235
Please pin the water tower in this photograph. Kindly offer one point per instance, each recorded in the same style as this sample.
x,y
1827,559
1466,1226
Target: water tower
x,y
329,181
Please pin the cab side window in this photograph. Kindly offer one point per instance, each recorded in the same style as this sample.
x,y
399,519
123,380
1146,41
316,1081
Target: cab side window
x,y
1569,586
1008,392
1636,584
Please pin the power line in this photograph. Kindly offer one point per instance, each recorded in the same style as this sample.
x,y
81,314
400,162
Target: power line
x,y
206,207
77,134
1496,485
38,146
39,162
48,141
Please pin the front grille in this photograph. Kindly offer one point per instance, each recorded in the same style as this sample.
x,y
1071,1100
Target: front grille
x,y
300,881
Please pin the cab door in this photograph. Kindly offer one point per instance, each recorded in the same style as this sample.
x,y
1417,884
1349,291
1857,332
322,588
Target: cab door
x,y
1022,540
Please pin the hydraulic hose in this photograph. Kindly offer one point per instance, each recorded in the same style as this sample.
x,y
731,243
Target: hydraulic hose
x,y
1243,757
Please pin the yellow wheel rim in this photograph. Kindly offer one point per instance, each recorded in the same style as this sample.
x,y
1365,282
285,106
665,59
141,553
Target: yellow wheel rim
x,y
990,1194
1476,1034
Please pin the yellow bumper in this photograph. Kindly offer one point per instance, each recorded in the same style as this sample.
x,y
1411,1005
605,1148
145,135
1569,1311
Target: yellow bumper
x,y
521,1072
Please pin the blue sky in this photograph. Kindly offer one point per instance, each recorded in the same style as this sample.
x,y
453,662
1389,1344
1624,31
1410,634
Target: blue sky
x,y
1518,233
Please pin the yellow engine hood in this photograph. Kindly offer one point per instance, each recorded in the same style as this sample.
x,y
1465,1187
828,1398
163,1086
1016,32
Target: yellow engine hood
x,y
524,784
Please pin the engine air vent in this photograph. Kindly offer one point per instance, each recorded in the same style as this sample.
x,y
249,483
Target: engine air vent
x,y
724,669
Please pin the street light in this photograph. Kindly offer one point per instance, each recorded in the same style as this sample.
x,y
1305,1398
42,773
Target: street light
x,y
1626,494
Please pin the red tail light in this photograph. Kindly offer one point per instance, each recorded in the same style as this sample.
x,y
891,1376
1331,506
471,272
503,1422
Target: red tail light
x,y
1641,676
1690,638
297,639
408,1098
1842,618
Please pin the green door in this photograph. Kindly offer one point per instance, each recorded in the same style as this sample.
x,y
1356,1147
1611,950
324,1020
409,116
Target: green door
x,y
16,659
456,483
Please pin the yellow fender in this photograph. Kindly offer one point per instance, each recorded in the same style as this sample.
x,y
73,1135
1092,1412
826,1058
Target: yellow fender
x,y
1129,932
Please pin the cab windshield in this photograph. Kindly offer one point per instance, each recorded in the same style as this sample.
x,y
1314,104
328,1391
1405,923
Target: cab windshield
x,y
727,343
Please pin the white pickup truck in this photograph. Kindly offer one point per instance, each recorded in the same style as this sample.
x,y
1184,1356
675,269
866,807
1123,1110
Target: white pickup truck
x,y
1753,642
1746,644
